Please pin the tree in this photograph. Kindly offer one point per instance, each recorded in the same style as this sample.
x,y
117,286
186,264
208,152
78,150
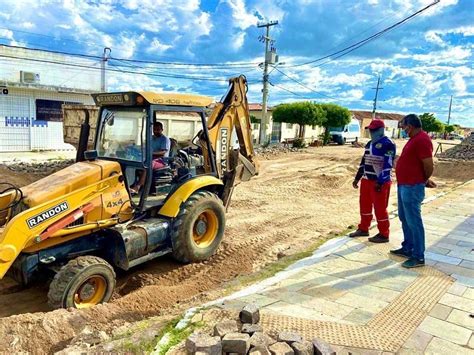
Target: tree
x,y
300,113
430,123
336,116
449,128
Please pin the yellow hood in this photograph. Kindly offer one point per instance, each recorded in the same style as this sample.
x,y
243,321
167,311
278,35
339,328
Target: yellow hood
x,y
73,177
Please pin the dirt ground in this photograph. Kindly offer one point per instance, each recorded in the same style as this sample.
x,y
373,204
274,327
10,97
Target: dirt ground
x,y
296,199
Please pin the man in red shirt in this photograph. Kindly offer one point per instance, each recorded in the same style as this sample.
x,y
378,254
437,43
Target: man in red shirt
x,y
413,170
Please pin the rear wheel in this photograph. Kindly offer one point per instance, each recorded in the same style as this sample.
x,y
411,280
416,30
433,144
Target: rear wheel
x,y
81,283
199,227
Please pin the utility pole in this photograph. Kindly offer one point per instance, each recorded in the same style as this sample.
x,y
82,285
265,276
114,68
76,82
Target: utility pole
x,y
376,96
449,114
105,57
270,58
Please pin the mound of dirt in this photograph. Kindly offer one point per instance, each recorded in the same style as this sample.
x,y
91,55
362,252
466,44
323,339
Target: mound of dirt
x,y
463,151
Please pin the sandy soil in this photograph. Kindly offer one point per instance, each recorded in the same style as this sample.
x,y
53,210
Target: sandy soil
x,y
297,198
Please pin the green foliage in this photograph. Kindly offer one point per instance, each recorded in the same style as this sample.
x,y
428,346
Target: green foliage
x,y
449,128
325,137
430,123
301,113
254,119
336,116
299,143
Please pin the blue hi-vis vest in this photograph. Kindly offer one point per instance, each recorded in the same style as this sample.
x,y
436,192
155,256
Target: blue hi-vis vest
x,y
377,162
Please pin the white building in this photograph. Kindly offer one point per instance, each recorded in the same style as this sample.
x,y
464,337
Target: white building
x,y
33,87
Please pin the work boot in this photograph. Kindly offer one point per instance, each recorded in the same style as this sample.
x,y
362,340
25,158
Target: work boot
x,y
359,233
401,252
412,262
378,238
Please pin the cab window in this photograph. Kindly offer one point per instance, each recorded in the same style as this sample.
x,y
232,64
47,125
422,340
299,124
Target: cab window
x,y
122,134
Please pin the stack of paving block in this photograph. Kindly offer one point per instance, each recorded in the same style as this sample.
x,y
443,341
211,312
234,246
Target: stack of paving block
x,y
246,336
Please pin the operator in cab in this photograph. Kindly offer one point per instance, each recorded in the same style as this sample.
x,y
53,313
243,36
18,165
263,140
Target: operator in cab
x,y
160,145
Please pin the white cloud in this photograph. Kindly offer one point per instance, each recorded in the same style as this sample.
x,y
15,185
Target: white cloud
x,y
157,47
458,83
352,95
372,2
6,34
432,36
238,40
242,18
27,25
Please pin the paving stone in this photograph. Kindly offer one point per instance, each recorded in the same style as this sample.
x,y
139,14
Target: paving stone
x,y
288,337
442,258
468,264
441,346
366,303
471,342
467,281
358,351
199,342
326,292
457,289
236,343
378,293
319,306
322,348
445,330
454,269
461,318
250,314
225,327
462,243
260,300
440,311
260,339
465,254
359,316
462,303
469,293
303,347
438,250
259,351
251,328
290,297
418,341
281,348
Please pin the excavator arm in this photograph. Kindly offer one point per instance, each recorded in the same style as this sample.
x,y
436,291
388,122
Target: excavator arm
x,y
230,119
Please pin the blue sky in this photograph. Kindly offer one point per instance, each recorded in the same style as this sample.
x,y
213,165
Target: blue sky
x,y
421,63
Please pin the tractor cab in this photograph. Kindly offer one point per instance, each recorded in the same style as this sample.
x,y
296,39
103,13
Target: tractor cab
x,y
152,136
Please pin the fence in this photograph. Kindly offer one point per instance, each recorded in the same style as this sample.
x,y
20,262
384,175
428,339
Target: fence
x,y
22,134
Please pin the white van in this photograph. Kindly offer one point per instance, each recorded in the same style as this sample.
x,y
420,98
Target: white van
x,y
349,133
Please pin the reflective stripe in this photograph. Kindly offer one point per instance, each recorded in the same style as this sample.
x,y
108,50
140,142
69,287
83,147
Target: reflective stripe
x,y
382,220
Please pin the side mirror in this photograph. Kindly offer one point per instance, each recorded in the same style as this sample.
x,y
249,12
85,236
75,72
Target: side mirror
x,y
90,155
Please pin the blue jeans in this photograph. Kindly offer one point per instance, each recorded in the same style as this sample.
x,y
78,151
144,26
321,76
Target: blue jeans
x,y
409,212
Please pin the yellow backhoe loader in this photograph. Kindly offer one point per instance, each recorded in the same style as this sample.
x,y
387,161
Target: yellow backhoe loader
x,y
80,224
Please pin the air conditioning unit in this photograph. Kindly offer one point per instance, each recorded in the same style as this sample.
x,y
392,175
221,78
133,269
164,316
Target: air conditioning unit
x,y
27,77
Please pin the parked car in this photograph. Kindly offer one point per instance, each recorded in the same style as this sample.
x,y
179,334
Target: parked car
x,y
455,136
348,133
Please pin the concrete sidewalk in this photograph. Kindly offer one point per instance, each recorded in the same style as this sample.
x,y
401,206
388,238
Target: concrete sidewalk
x,y
356,296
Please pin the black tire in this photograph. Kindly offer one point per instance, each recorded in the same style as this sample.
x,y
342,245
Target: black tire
x,y
84,271
340,141
191,239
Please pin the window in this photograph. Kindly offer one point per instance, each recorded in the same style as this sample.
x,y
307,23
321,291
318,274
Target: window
x,y
121,134
182,126
354,128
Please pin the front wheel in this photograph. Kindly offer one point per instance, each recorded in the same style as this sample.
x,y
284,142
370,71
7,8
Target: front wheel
x,y
83,282
199,227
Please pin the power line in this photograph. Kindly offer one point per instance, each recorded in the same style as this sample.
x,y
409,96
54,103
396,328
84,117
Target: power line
x,y
174,76
221,65
305,86
363,42
291,92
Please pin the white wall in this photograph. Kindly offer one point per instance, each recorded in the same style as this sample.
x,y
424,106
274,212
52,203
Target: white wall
x,y
50,74
19,129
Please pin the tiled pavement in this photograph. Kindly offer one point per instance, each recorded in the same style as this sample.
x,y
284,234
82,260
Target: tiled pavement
x,y
357,297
